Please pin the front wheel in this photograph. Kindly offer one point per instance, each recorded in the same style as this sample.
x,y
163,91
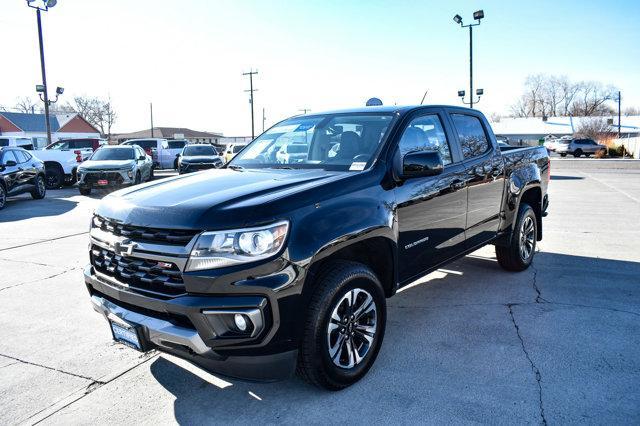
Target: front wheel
x,y
344,326
40,189
518,255
85,191
577,153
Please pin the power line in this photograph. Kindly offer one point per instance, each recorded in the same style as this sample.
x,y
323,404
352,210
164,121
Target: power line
x,y
251,89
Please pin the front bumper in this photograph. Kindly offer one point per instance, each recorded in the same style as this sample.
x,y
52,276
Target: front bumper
x,y
115,178
185,326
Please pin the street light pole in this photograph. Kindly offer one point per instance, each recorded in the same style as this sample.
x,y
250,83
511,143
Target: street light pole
x,y
477,15
44,79
470,66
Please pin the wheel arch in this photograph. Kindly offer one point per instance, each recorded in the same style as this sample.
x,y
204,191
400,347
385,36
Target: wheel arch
x,y
532,195
377,252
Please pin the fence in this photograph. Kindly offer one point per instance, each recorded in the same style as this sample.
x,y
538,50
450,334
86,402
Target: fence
x,y
632,145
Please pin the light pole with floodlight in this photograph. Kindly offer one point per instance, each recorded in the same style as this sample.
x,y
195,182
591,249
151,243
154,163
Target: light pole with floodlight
x,y
40,5
477,15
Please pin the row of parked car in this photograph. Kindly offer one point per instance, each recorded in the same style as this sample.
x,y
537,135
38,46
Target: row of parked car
x,y
92,163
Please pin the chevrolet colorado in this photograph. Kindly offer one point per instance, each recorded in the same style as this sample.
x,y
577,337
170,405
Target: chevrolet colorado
x,y
263,268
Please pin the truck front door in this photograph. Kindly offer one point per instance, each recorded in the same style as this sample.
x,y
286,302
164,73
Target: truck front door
x,y
431,210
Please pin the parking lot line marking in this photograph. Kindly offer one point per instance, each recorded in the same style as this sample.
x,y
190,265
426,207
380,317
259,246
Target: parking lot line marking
x,y
612,187
44,241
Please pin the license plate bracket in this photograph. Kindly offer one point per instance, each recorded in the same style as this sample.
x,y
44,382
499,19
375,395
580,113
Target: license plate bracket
x,y
128,334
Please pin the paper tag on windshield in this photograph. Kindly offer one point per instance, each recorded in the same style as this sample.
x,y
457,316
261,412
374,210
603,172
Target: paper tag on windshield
x,y
357,165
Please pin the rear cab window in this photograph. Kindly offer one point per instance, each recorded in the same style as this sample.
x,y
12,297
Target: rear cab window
x,y
471,135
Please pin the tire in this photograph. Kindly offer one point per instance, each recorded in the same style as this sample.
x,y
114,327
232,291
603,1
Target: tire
x,y
151,177
587,154
518,255
54,178
563,155
3,197
138,178
85,191
175,164
577,153
341,367
41,189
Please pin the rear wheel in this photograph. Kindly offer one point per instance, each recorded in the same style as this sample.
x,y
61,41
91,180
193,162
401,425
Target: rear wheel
x,y
587,154
53,177
518,255
563,155
40,190
344,327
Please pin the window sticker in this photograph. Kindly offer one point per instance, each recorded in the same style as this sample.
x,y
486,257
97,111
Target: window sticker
x,y
357,166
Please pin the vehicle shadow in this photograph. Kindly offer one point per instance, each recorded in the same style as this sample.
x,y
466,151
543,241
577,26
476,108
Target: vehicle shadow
x,y
24,207
459,327
558,177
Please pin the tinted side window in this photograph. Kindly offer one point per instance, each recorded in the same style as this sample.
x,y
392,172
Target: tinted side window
x,y
176,144
4,142
20,156
473,139
426,133
8,156
81,144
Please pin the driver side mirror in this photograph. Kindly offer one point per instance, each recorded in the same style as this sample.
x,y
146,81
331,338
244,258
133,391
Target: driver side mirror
x,y
142,157
10,163
421,164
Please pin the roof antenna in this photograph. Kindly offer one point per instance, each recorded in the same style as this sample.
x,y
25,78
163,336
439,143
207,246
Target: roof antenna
x,y
424,97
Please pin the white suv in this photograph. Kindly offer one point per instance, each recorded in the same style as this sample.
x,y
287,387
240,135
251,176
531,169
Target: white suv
x,y
578,147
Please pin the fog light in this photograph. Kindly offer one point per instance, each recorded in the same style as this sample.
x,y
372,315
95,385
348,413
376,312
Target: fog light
x,y
241,323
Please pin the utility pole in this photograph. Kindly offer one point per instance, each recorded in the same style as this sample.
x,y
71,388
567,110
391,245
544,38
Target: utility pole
x,y
151,110
251,89
619,112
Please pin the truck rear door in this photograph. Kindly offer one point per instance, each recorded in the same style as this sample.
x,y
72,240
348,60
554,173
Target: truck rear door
x,y
484,175
431,210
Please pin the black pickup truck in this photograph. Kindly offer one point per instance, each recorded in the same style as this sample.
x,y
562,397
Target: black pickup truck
x,y
265,267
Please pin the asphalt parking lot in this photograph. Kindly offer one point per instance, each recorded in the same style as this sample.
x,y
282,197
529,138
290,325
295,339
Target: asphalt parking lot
x,y
558,343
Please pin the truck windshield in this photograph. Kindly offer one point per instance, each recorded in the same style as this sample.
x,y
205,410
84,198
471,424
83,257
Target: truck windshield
x,y
331,141
113,154
199,150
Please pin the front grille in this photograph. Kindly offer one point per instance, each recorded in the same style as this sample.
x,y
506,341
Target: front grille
x,y
94,177
149,235
139,274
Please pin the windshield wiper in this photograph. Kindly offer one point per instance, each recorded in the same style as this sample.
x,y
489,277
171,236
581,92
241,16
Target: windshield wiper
x,y
282,167
234,167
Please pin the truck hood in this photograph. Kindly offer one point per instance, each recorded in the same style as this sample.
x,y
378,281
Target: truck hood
x,y
213,199
107,164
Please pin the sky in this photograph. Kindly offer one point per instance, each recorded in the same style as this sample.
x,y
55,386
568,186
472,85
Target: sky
x,y
188,56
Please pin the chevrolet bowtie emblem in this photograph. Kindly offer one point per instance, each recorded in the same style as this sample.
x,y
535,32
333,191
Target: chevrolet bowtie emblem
x,y
124,247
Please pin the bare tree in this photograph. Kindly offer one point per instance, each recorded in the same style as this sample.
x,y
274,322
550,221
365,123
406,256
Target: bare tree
x,y
25,104
595,128
98,112
631,111
548,95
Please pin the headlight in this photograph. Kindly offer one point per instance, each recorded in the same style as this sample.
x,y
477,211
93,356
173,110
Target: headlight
x,y
218,249
130,173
